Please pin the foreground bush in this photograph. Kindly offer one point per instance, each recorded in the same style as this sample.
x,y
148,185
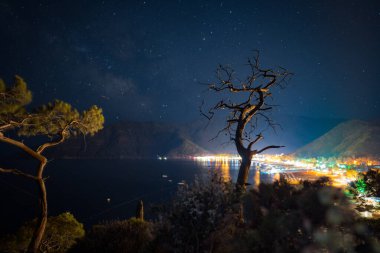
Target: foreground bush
x,y
208,216
366,186
61,234
278,217
120,236
202,217
311,217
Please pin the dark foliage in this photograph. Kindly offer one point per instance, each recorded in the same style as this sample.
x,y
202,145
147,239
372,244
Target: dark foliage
x,y
311,217
120,236
208,216
278,217
61,234
202,218
367,186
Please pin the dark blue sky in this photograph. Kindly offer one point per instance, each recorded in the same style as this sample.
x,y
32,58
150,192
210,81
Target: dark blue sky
x,y
143,60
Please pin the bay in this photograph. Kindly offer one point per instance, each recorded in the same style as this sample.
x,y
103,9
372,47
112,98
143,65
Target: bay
x,y
98,190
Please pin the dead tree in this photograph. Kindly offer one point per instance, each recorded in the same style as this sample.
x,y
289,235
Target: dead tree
x,y
247,105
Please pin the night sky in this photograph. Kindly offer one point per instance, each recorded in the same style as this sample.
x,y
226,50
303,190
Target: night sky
x,y
145,60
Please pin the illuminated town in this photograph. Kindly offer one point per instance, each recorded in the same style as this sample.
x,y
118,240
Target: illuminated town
x,y
341,171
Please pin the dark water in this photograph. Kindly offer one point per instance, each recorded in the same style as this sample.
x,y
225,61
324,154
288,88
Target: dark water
x,y
82,187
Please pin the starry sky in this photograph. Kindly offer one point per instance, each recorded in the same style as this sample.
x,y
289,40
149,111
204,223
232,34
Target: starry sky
x,y
146,60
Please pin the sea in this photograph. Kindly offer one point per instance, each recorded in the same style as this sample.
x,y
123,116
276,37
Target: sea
x,y
98,190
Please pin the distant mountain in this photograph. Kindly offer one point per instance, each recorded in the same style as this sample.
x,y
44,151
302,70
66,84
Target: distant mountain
x,y
293,132
131,140
151,139
350,138
187,148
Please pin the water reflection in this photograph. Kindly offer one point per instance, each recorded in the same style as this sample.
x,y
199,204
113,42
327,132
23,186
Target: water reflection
x,y
229,168
256,179
224,167
276,176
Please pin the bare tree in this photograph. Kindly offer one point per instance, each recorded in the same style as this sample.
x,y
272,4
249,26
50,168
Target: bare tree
x,y
247,105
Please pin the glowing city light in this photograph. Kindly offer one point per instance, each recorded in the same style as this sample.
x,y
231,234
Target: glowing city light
x,y
340,171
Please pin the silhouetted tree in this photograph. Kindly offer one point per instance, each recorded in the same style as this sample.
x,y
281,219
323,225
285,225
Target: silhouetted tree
x,y
247,103
56,120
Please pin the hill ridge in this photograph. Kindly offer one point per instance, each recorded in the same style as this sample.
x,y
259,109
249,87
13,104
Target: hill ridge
x,y
350,138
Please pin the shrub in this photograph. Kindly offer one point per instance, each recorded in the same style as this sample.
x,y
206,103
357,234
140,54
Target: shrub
x,y
61,234
119,236
367,184
203,216
312,217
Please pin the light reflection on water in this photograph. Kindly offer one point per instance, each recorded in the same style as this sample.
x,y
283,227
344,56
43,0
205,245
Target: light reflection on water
x,y
272,168
229,171
262,172
256,179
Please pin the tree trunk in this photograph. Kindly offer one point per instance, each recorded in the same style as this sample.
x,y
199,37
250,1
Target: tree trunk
x,y
140,210
244,171
39,231
42,219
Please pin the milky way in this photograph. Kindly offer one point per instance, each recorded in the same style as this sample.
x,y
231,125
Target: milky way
x,y
146,60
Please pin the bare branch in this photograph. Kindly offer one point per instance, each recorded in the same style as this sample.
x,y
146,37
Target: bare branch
x,y
44,146
268,147
210,112
18,173
23,147
258,138
225,129
223,105
64,133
